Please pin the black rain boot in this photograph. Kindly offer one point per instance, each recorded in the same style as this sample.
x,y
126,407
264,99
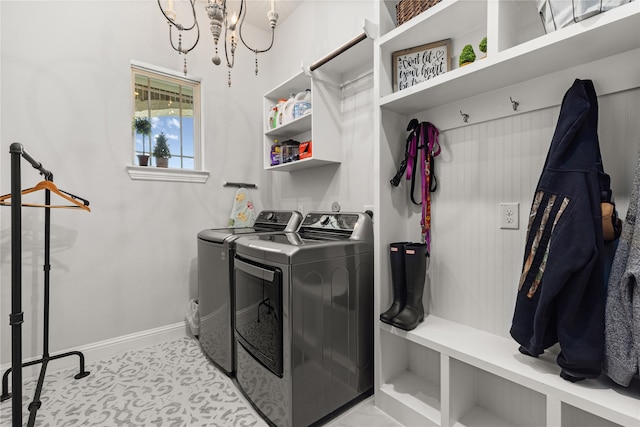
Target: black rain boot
x,y
415,260
398,281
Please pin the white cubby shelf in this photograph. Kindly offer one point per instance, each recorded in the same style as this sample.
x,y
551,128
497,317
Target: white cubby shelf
x,y
586,41
473,356
467,371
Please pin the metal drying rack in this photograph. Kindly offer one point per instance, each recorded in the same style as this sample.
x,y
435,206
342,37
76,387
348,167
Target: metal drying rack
x,y
16,317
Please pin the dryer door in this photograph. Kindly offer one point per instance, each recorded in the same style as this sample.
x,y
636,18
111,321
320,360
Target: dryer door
x,y
258,291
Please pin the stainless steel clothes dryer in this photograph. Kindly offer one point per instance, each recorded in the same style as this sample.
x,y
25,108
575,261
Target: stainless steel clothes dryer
x,y
304,318
215,285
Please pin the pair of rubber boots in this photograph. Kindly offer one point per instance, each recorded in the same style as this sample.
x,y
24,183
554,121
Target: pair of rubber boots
x,y
408,273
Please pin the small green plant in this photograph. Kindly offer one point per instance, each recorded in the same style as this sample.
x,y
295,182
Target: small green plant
x,y
467,55
161,148
142,126
483,45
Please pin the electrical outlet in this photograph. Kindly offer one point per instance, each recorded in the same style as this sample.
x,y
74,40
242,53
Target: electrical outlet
x,y
510,215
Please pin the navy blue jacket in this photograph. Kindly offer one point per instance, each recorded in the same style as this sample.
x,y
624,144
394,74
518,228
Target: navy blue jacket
x,y
561,294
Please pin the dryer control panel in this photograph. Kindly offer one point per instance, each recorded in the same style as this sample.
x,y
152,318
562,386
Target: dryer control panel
x,y
288,221
335,225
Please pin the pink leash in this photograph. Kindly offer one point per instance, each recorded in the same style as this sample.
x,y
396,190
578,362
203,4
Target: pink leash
x,y
426,159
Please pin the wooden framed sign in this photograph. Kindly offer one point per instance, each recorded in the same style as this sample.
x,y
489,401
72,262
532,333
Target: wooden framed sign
x,y
418,64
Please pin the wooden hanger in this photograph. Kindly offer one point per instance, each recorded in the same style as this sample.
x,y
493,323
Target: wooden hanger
x,y
77,202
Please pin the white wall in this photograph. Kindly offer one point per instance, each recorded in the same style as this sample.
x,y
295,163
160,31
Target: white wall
x,y
130,264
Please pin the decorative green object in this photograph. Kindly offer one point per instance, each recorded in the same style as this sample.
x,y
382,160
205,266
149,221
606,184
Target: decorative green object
x,y
161,148
161,151
142,126
483,45
467,56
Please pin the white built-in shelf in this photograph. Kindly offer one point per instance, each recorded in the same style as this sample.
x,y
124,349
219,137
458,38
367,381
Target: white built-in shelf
x,y
480,417
499,356
446,20
416,393
294,127
607,34
321,126
302,164
445,373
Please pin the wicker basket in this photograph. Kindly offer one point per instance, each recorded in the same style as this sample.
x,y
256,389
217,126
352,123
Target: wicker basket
x,y
407,9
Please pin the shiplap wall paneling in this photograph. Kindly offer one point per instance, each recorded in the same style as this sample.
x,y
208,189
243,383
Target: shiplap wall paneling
x,y
475,265
619,133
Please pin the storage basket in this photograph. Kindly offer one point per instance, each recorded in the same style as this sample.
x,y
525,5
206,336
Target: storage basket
x,y
407,9
556,14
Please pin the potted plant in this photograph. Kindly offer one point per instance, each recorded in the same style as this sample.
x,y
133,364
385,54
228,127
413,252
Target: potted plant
x,y
161,151
142,126
467,56
483,46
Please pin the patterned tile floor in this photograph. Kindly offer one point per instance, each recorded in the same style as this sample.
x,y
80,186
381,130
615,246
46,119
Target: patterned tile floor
x,y
169,384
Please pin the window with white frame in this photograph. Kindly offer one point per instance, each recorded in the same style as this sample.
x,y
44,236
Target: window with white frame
x,y
172,105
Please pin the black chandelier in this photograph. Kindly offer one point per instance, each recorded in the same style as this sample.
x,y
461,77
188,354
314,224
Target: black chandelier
x,y
170,15
219,15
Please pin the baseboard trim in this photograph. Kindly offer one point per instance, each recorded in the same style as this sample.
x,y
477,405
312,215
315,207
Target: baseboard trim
x,y
105,349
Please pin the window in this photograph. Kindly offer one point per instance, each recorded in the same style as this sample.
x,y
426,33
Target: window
x,y
172,105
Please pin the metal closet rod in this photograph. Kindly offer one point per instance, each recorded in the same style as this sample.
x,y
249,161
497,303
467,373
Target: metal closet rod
x,y
338,52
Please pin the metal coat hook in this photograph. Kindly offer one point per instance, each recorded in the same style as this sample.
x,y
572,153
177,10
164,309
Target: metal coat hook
x,y
465,117
514,104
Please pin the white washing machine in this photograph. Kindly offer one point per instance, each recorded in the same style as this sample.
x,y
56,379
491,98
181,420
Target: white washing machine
x,y
304,318
215,285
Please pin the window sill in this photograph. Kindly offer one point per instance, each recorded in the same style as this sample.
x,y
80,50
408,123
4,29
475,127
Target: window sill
x,y
151,173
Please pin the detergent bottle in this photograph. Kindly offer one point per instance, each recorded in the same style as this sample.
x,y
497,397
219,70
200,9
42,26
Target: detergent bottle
x,y
276,153
302,104
271,118
287,115
279,119
304,96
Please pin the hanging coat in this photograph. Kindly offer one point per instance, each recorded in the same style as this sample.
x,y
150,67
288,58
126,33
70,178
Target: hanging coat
x,y
561,292
622,312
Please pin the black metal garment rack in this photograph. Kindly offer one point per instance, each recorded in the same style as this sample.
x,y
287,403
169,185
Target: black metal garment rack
x,y
16,317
